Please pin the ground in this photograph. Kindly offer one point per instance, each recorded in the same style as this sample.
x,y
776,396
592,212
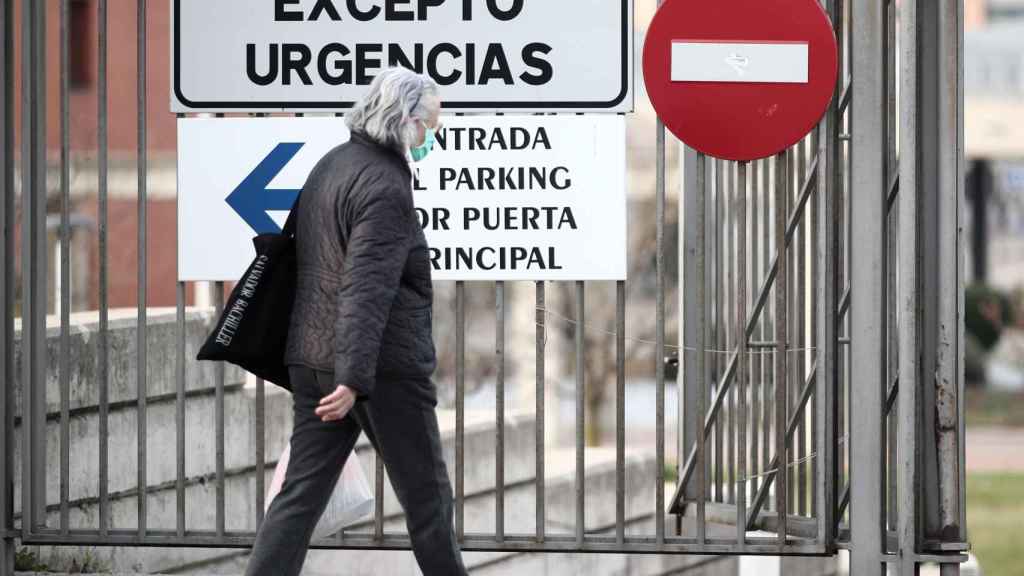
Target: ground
x,y
995,480
994,510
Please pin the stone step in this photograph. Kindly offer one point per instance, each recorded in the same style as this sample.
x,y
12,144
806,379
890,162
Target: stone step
x,y
239,417
161,365
240,468
519,519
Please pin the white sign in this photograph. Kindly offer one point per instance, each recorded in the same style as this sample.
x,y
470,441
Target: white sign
x,y
698,61
493,55
499,198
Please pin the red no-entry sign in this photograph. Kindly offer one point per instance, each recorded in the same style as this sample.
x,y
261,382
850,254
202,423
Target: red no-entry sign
x,y
740,79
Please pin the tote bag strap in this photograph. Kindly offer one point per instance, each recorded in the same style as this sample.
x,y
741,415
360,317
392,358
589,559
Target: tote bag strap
x,y
289,224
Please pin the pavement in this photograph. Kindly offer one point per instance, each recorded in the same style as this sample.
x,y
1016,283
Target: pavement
x,y
995,449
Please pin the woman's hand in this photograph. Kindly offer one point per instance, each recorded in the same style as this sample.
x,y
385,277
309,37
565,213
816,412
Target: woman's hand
x,y
336,405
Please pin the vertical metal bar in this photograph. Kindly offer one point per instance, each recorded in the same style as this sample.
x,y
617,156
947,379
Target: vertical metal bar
x,y
34,267
700,330
756,385
659,352
781,286
659,336
620,412
40,269
690,298
948,162
909,292
541,334
961,185
143,201
378,497
460,409
103,359
179,413
767,410
720,341
499,414
742,361
261,442
801,336
731,337
792,381
261,447
7,74
581,396
867,318
845,210
892,256
218,304
65,265
711,302
812,329
930,425
826,330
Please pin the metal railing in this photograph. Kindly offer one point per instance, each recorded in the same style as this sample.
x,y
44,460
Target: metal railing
x,y
816,287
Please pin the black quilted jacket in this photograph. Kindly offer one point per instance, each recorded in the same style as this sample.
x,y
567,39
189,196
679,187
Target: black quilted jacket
x,y
363,297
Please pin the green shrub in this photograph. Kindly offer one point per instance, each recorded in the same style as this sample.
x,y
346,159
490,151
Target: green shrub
x,y
26,560
986,313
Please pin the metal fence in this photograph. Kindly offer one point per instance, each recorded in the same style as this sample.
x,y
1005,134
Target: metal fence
x,y
821,361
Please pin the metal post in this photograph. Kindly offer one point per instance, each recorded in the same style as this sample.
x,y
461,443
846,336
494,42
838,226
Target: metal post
x,y
581,399
7,546
620,412
218,416
460,409
827,326
781,442
35,258
659,336
867,254
541,337
499,413
103,358
179,411
691,301
931,182
740,472
141,331
909,286
700,364
719,340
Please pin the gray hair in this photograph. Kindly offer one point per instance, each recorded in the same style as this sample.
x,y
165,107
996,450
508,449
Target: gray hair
x,y
387,113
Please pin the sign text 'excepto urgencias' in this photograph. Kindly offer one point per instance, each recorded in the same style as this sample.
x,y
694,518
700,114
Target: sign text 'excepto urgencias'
x,y
499,198
487,55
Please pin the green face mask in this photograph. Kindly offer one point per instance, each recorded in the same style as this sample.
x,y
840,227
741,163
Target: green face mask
x,y
420,152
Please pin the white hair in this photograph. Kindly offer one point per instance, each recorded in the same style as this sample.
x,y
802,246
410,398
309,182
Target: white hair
x,y
388,112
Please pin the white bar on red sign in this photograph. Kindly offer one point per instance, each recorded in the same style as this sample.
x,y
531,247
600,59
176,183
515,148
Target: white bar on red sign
x,y
712,61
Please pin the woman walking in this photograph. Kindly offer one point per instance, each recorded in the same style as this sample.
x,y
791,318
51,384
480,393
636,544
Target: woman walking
x,y
360,350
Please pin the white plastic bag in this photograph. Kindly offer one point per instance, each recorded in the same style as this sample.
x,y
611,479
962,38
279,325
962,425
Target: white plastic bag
x,y
350,502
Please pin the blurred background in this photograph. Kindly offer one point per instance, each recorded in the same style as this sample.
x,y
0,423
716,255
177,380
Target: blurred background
x,y
994,296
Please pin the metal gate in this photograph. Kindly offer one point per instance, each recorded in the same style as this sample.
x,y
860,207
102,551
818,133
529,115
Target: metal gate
x,y
821,360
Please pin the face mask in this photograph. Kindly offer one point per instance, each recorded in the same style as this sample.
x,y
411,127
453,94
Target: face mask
x,y
420,152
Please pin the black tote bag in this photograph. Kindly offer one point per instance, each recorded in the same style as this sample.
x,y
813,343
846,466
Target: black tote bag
x,y
253,327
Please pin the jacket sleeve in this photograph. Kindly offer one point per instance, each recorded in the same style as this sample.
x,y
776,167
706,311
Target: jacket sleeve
x,y
378,245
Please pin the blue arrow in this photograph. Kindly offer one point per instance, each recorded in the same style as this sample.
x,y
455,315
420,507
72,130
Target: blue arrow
x,y
252,199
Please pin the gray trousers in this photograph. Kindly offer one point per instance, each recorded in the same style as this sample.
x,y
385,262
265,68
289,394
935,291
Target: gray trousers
x,y
401,424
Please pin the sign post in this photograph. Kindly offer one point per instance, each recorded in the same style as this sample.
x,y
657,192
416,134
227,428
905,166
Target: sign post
x,y
320,55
